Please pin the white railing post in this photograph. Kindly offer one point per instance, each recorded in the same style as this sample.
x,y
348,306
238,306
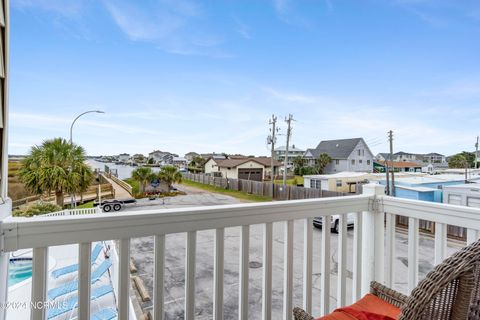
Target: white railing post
x,y
373,238
5,211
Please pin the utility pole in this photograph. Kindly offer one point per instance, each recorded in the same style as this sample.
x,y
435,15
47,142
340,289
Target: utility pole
x,y
289,133
390,138
476,154
387,172
272,139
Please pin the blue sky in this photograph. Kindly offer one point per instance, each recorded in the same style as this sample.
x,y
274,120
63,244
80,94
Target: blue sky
x,y
181,75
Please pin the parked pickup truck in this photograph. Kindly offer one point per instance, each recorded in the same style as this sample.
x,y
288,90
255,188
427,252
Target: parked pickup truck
x,y
114,204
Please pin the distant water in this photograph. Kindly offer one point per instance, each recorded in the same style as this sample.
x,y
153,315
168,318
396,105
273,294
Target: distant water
x,y
124,171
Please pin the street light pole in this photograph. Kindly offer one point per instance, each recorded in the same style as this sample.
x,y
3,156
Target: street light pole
x,y
74,203
71,127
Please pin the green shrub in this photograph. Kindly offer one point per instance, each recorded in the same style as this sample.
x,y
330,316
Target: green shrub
x,y
36,209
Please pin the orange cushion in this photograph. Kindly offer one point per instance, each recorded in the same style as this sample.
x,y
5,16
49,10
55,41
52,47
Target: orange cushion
x,y
369,307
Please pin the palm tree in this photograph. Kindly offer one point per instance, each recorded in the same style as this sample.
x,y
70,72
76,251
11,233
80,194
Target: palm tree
x,y
56,166
322,161
298,164
170,175
143,175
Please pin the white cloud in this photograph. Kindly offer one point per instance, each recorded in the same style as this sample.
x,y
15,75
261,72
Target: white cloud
x,y
173,26
242,29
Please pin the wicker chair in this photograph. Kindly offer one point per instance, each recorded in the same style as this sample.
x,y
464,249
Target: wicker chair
x,y
450,291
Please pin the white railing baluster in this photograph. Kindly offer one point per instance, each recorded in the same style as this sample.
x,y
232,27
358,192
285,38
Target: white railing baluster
x,y
267,272
288,271
342,260
390,249
159,278
440,242
84,279
218,274
412,253
191,251
325,266
39,283
357,257
243,273
307,263
472,236
124,279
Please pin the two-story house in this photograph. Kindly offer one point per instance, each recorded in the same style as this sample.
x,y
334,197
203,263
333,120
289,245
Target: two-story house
x,y
293,152
405,156
162,157
346,154
123,157
434,157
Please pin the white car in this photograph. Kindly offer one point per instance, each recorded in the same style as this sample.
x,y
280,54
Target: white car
x,y
317,222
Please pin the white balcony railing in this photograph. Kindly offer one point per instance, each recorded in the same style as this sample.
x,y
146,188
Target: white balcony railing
x,y
372,252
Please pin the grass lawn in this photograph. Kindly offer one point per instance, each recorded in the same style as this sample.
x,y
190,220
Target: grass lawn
x,y
135,185
291,182
85,205
233,193
81,206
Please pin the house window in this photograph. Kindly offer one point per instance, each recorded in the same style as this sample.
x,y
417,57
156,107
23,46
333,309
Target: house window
x,y
368,162
339,183
359,151
360,161
337,162
315,184
353,162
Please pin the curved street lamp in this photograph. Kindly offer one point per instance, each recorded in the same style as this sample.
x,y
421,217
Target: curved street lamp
x,y
71,127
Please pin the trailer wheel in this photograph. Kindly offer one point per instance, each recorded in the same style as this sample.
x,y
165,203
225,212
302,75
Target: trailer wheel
x,y
106,208
117,207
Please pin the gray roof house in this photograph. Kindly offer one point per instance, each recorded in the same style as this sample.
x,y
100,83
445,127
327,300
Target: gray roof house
x,y
382,156
347,155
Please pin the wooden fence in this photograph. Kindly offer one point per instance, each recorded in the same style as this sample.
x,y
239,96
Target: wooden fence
x,y
262,188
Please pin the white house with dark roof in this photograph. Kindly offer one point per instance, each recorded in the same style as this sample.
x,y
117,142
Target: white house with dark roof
x,y
434,157
293,152
347,155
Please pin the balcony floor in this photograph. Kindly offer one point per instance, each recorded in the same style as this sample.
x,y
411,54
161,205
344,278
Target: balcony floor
x,y
142,253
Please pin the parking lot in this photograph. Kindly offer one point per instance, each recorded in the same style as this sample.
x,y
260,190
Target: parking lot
x,y
142,254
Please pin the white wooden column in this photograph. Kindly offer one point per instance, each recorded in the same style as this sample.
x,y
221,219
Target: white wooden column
x,y
218,274
440,242
159,278
124,280
84,279
325,266
39,283
267,272
243,273
307,263
412,253
5,211
357,257
373,239
390,250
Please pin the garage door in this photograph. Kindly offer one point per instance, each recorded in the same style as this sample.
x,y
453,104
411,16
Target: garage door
x,y
250,174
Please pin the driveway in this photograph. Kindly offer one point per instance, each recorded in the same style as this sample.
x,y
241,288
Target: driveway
x,y
142,253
